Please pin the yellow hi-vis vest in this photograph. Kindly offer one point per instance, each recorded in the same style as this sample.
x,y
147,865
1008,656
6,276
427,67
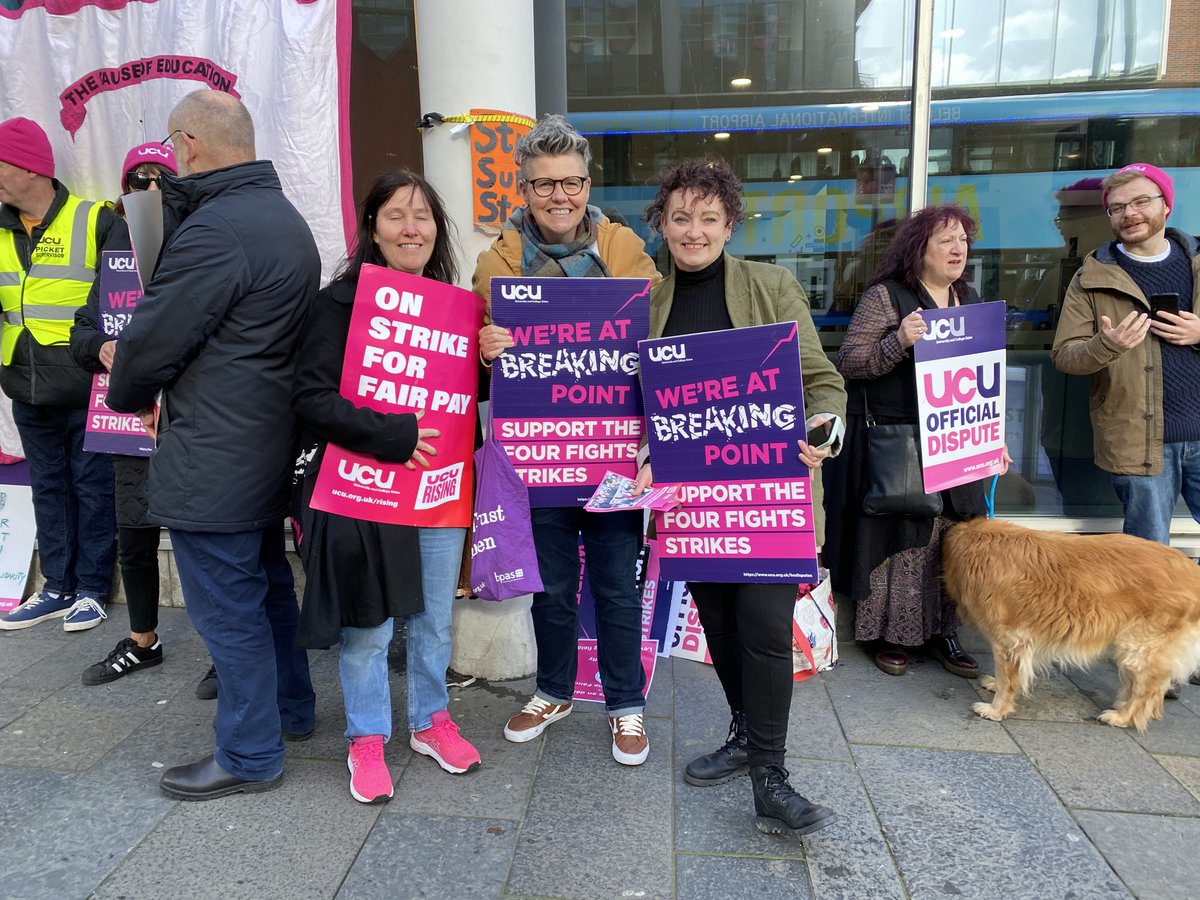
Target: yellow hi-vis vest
x,y
62,268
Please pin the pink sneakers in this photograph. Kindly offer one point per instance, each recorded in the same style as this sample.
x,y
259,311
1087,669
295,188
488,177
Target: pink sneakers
x,y
441,741
370,780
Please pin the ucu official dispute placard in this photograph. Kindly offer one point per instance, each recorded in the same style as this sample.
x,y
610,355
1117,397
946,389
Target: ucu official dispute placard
x,y
107,431
960,367
724,411
413,345
565,399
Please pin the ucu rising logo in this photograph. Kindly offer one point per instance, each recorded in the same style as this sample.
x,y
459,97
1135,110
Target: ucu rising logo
x,y
439,486
160,152
668,353
122,264
367,476
521,291
941,329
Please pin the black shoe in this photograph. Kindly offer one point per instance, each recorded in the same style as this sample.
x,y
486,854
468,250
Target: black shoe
x,y
721,765
206,780
126,657
207,688
297,736
780,808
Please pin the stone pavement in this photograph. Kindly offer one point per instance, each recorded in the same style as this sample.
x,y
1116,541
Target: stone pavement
x,y
934,802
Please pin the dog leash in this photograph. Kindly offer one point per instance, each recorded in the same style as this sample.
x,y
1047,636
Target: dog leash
x,y
990,498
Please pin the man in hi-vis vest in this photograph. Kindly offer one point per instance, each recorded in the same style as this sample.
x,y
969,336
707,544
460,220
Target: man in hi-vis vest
x,y
50,253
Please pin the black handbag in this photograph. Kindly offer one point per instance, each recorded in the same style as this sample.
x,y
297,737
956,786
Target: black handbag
x,y
894,483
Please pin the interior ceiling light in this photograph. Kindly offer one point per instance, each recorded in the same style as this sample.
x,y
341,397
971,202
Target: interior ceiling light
x,y
740,82
756,215
721,136
824,149
795,177
870,107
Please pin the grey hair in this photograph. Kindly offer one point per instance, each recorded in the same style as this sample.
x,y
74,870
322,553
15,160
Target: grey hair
x,y
552,136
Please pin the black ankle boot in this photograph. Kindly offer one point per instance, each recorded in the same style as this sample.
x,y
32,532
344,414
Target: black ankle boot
x,y
780,808
727,762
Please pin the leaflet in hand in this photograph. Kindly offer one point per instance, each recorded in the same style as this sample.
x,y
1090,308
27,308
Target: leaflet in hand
x,y
616,492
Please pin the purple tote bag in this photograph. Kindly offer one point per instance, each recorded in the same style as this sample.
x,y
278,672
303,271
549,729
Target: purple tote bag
x,y
503,558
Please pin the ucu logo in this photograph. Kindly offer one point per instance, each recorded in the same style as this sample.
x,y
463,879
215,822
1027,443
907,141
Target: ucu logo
x,y
668,353
961,385
160,152
122,264
367,476
940,329
521,291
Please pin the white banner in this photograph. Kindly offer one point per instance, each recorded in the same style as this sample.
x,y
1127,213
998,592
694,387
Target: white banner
x,y
101,76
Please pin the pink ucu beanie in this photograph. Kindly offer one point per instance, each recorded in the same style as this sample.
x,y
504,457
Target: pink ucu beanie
x,y
152,154
23,144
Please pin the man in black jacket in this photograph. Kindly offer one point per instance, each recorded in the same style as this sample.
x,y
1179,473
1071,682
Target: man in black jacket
x,y
50,257
215,333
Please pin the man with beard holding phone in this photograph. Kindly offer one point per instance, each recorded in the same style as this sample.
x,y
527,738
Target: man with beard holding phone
x,y
1143,358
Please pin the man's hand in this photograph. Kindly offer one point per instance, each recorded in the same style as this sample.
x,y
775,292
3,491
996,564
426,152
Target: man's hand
x,y
424,448
147,417
107,351
645,480
493,340
1181,329
1131,332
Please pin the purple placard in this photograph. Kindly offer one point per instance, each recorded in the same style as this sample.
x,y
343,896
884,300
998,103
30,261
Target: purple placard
x,y
107,431
960,366
565,399
724,411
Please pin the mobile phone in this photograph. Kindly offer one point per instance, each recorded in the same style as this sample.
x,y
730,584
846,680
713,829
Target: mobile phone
x,y
818,437
1160,303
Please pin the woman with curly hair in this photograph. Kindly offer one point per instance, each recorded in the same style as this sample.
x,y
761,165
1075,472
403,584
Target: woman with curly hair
x,y
748,626
888,565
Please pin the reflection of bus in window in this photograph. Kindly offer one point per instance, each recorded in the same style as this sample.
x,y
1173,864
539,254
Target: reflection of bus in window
x,y
821,179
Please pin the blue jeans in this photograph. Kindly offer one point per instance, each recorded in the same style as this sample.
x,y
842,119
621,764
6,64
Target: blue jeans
x,y
1149,500
363,663
611,542
242,600
72,499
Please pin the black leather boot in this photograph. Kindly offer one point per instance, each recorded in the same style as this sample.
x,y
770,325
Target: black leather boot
x,y
779,808
727,762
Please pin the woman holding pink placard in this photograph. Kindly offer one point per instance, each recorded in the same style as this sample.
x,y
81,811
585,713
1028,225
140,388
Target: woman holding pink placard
x,y
361,574
748,626
888,564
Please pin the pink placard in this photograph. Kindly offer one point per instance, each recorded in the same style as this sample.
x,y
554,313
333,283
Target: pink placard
x,y
587,675
413,345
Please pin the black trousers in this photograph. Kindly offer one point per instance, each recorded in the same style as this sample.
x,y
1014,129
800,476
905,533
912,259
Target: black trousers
x,y
749,633
137,550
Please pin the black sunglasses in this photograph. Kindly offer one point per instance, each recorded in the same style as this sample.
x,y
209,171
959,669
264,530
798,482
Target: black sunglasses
x,y
140,181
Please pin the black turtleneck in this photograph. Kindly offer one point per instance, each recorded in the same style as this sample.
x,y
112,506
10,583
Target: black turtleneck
x,y
699,302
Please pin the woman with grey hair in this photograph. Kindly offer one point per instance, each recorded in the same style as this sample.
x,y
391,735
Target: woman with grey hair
x,y
557,234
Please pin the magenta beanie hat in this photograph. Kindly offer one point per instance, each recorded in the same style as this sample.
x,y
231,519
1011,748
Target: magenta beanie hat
x,y
1160,178
154,154
23,144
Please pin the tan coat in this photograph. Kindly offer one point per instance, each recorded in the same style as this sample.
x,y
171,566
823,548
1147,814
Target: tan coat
x,y
1126,390
763,294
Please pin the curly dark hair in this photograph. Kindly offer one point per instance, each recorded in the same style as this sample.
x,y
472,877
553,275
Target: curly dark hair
x,y
905,254
441,266
708,177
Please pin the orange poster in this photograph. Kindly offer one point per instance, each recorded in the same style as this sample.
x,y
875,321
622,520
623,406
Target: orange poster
x,y
494,136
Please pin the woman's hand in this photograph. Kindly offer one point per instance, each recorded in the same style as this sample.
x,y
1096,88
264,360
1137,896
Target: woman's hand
x,y
645,480
424,448
911,330
147,418
107,351
1007,460
493,340
810,457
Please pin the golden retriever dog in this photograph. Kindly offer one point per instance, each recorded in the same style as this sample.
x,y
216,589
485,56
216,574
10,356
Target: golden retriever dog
x,y
1041,597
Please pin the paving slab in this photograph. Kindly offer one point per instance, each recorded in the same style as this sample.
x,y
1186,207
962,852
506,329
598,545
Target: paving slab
x,y
596,828
1094,766
17,654
979,825
432,856
63,737
1185,770
1054,697
1154,855
25,792
1176,733
928,707
721,877
256,845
